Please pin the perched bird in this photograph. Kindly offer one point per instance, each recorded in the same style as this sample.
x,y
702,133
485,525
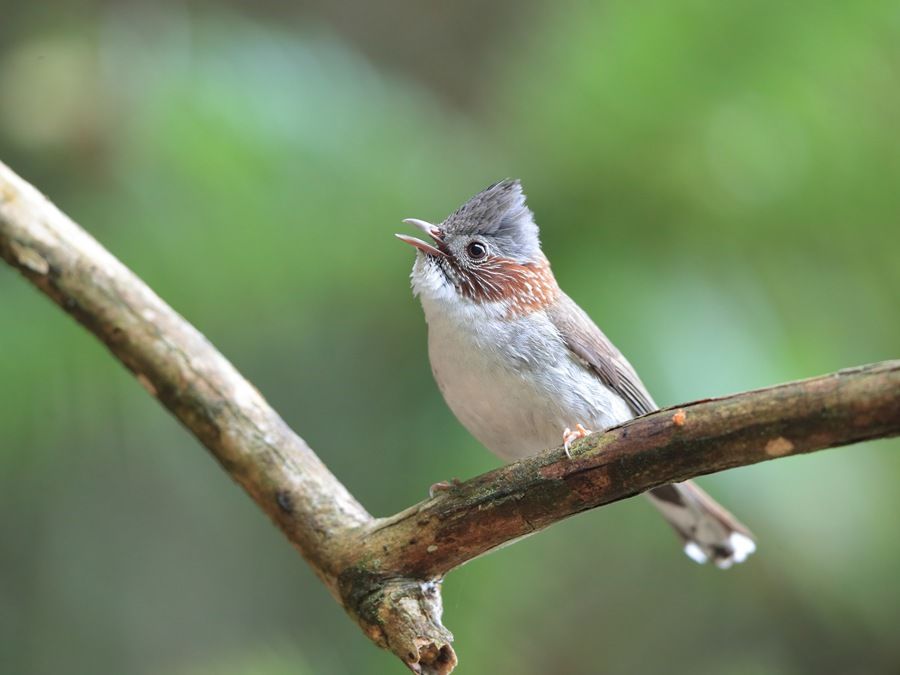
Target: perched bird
x,y
522,366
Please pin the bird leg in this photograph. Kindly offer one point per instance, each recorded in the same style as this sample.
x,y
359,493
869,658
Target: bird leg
x,y
570,436
443,486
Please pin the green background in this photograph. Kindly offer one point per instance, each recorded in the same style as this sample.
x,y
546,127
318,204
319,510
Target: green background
x,y
717,184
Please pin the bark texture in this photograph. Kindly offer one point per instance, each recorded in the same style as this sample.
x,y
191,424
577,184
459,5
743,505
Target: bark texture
x,y
386,572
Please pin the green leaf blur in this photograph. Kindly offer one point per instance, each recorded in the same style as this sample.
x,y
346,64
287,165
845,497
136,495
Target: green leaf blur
x,y
717,185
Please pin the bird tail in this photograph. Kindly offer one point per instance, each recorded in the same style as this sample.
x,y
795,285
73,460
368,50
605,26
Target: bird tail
x,y
708,531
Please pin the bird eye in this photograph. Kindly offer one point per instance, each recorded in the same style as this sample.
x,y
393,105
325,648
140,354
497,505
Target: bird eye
x,y
476,250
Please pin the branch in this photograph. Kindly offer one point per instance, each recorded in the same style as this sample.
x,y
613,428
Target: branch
x,y
667,446
386,572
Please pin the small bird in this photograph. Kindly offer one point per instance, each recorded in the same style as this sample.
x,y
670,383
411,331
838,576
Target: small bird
x,y
523,367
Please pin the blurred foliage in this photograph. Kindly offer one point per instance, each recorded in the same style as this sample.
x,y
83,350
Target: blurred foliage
x,y
716,184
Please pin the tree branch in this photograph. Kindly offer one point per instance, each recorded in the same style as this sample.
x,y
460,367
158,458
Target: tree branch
x,y
667,446
386,572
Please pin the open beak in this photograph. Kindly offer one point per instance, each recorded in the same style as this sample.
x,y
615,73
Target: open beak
x,y
432,231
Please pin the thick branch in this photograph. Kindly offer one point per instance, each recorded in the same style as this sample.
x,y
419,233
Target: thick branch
x,y
386,572
177,365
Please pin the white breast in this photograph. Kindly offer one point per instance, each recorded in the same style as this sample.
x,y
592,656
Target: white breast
x,y
513,383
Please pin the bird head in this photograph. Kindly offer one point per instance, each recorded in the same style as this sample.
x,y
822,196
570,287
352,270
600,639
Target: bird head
x,y
487,251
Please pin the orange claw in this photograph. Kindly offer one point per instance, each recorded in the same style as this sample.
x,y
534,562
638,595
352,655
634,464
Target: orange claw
x,y
569,436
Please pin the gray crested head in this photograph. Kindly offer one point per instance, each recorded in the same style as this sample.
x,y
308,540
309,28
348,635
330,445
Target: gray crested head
x,y
499,214
487,251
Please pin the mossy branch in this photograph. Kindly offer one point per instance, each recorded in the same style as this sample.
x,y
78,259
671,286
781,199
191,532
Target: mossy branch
x,y
386,572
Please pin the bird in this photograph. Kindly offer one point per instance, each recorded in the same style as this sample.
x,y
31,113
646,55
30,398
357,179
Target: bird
x,y
523,367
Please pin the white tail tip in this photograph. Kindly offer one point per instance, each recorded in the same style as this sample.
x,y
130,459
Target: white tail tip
x,y
742,547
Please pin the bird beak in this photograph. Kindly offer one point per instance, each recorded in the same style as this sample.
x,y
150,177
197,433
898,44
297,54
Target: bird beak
x,y
432,231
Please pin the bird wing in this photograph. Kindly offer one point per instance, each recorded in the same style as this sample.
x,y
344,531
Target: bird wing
x,y
588,343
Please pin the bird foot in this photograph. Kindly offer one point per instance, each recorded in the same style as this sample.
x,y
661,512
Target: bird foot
x,y
443,486
570,436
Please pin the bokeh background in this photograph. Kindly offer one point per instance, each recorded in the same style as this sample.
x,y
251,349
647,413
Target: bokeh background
x,y
717,185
